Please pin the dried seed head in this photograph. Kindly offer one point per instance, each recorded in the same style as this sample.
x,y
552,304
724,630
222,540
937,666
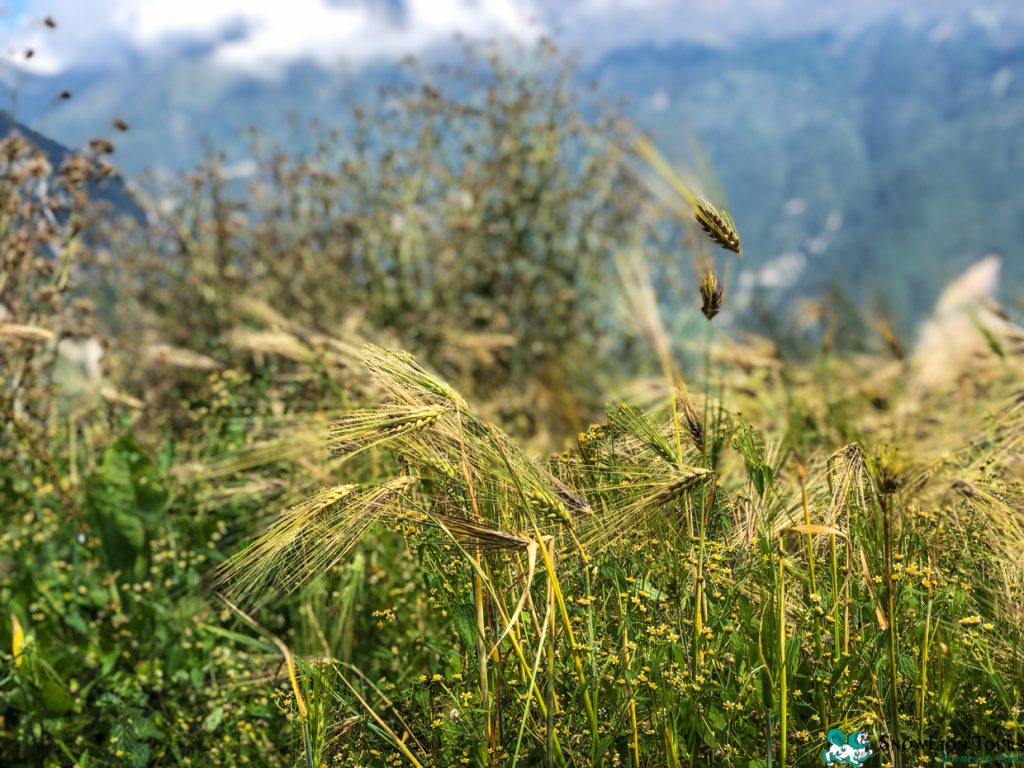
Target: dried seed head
x,y
105,169
14,147
101,146
694,421
890,337
75,170
711,294
481,535
717,225
695,428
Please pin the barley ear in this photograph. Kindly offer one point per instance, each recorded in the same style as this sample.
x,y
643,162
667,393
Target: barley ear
x,y
711,294
717,225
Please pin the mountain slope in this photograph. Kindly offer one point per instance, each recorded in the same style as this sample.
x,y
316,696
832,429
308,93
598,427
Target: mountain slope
x,y
890,160
885,159
110,189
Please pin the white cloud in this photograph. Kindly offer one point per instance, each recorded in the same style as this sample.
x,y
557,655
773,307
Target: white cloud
x,y
257,35
329,33
260,35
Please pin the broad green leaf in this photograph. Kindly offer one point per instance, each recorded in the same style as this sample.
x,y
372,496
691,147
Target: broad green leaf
x,y
56,697
213,719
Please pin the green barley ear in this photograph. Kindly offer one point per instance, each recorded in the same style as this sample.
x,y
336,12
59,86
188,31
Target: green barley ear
x,y
260,564
641,504
635,422
672,485
311,537
717,225
711,294
405,379
360,430
545,503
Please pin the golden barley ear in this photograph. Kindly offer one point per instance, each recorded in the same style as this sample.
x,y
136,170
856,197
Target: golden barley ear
x,y
885,329
717,225
711,294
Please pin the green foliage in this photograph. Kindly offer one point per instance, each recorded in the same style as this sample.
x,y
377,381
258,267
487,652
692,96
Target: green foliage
x,y
123,500
475,215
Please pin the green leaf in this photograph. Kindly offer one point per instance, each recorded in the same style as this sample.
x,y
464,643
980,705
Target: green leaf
x,y
464,618
124,499
213,720
651,590
421,696
237,637
707,733
907,666
604,744
131,529
990,338
762,476
73,619
150,492
996,681
792,656
109,662
56,697
758,478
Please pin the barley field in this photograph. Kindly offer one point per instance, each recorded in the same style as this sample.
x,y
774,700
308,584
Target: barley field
x,y
440,443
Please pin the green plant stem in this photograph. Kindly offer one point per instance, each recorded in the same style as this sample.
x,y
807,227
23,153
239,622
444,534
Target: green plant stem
x,y
782,656
549,752
834,555
894,722
922,698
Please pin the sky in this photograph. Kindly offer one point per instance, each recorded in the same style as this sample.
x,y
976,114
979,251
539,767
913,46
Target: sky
x,y
263,35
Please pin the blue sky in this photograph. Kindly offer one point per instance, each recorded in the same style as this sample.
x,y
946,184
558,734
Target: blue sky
x,y
14,7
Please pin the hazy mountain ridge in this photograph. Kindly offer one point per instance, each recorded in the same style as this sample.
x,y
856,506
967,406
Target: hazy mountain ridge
x,y
890,157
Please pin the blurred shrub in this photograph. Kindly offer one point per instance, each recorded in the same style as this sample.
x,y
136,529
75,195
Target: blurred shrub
x,y
472,212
